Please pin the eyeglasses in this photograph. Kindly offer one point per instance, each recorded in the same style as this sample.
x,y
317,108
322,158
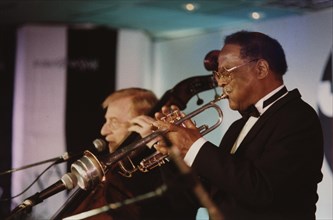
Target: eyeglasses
x,y
114,123
226,73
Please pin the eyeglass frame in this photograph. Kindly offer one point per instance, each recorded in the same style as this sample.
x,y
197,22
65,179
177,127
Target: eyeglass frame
x,y
226,73
114,123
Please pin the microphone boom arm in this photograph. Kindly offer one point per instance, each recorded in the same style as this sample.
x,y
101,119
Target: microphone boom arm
x,y
68,181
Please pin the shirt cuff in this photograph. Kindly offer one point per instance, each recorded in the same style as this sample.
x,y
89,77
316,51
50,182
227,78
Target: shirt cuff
x,y
193,151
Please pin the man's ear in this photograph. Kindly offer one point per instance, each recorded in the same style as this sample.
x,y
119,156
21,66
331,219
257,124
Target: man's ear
x,y
262,68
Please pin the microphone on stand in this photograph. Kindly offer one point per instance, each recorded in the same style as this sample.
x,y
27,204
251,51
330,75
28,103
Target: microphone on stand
x,y
67,181
100,147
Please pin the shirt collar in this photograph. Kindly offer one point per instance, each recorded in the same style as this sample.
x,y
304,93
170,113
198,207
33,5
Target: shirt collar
x,y
260,103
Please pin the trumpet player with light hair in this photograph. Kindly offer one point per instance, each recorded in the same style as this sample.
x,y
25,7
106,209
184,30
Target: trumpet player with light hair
x,y
122,108
268,164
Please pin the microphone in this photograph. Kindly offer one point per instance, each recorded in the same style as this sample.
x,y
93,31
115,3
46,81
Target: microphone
x,y
67,181
100,147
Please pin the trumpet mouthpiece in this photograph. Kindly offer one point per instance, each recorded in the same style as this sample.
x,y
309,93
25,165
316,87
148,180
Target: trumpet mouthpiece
x,y
223,96
219,97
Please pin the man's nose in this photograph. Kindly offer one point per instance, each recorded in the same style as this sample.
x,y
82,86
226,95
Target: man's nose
x,y
105,129
222,83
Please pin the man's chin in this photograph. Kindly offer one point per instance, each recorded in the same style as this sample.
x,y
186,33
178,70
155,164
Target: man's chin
x,y
112,147
232,106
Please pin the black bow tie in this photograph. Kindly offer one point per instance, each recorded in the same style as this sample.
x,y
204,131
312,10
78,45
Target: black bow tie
x,y
250,111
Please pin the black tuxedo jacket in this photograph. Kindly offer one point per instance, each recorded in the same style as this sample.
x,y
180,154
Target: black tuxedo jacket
x,y
275,171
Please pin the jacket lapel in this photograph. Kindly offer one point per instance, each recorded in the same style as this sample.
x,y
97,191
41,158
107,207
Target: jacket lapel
x,y
231,135
253,133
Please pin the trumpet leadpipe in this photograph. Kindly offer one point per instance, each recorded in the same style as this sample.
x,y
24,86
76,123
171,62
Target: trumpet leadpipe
x,y
211,104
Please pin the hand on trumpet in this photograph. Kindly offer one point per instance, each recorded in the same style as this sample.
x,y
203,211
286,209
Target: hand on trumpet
x,y
143,125
182,135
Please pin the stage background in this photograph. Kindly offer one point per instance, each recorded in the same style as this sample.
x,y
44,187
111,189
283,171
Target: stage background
x,y
62,76
39,109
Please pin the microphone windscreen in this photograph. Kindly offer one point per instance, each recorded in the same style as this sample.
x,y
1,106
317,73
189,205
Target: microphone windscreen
x,y
100,145
69,180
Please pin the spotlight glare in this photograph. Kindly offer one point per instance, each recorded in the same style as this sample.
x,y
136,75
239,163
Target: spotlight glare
x,y
190,7
255,15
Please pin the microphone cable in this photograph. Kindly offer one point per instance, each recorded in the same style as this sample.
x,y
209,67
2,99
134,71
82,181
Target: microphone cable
x,y
28,187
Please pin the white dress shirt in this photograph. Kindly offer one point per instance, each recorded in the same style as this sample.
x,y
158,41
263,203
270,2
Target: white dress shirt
x,y
196,146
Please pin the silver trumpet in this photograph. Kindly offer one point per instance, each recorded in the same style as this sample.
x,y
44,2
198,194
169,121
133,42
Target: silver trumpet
x,y
158,158
90,170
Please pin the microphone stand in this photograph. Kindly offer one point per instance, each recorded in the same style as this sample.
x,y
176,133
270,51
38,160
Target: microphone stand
x,y
60,159
25,207
99,144
68,181
203,197
158,192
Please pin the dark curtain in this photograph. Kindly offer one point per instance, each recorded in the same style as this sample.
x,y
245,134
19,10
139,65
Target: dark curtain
x,y
90,78
7,63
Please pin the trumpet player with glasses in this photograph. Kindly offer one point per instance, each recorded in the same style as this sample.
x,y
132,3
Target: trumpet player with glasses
x,y
268,163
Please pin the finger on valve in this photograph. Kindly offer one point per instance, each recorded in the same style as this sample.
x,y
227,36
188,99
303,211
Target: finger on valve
x,y
165,110
141,124
154,142
160,127
161,146
169,114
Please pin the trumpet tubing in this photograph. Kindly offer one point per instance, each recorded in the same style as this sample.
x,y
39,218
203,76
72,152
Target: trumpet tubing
x,y
158,158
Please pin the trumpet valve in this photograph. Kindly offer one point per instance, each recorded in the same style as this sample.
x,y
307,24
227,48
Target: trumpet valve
x,y
172,117
148,163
